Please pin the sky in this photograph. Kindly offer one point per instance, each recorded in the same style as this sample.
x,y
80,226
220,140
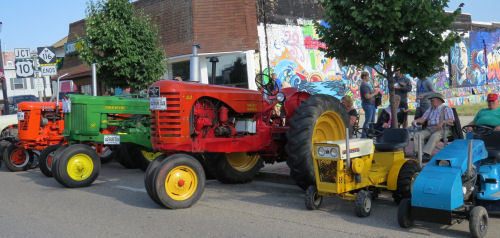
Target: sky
x,y
37,23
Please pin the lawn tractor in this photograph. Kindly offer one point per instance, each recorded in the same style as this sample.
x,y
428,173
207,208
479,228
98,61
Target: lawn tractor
x,y
458,184
92,123
40,127
352,170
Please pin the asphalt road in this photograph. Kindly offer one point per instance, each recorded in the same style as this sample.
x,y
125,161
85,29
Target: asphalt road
x,y
116,205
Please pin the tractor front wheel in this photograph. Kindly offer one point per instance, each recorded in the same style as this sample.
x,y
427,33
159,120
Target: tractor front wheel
x,y
46,159
363,203
320,118
404,213
234,167
77,166
312,199
149,176
478,222
406,177
17,158
179,181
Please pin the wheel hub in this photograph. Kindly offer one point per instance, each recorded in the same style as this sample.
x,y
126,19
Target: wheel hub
x,y
181,183
19,157
242,162
80,167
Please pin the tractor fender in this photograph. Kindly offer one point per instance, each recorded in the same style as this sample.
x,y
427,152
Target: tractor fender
x,y
392,178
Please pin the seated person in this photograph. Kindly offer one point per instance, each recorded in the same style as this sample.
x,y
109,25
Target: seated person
x,y
488,116
437,117
384,119
353,114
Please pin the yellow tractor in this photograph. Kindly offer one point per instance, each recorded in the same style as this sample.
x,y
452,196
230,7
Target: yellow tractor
x,y
359,169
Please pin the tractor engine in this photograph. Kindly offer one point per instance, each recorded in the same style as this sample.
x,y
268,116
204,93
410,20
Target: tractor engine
x,y
214,119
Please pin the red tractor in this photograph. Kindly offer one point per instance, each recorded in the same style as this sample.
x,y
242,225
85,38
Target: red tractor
x,y
229,132
39,129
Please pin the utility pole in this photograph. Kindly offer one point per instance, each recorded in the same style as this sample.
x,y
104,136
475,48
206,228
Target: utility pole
x,y
3,80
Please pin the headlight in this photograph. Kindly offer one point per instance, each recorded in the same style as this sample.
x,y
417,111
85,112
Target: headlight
x,y
327,152
280,97
444,163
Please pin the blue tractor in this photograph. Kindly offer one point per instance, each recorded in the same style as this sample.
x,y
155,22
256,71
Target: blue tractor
x,y
460,182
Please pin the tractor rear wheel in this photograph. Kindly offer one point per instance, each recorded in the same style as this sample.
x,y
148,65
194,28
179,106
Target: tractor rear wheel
x,y
179,181
17,158
77,166
404,213
320,118
312,199
149,175
46,158
234,167
363,203
478,222
406,177
126,156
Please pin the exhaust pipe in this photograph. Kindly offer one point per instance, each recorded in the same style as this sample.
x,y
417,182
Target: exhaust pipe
x,y
194,64
94,79
469,159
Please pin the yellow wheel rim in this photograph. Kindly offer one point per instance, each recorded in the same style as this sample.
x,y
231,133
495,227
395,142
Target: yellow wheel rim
x,y
80,167
242,162
181,183
149,155
329,127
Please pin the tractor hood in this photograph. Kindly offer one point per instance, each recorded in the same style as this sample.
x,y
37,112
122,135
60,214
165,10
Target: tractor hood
x,y
240,100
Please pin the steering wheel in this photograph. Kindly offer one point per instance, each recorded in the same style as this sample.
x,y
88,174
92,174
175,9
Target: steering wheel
x,y
372,132
478,130
265,88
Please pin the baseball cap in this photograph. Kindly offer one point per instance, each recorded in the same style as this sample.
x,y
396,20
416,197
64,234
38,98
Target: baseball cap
x,y
492,97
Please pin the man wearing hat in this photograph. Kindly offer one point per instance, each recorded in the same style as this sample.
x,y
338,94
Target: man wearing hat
x,y
489,116
438,116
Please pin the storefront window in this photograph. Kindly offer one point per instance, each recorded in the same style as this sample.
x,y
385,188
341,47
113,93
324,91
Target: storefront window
x,y
230,70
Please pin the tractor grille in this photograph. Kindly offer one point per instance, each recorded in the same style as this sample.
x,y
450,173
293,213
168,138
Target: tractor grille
x,y
23,125
167,123
327,170
79,117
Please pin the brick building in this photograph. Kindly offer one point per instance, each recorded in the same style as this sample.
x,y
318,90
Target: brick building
x,y
252,36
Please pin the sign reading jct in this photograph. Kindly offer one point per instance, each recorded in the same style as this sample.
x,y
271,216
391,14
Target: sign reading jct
x,y
24,68
22,53
47,55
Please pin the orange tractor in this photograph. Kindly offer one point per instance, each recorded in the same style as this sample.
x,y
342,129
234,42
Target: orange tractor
x,y
39,129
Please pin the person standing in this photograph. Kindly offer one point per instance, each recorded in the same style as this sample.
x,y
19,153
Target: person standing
x,y
367,95
424,90
402,87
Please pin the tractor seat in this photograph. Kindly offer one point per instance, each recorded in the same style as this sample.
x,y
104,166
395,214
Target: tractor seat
x,y
491,144
392,139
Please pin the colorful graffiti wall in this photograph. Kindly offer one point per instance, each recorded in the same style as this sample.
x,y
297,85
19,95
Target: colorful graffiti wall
x,y
294,53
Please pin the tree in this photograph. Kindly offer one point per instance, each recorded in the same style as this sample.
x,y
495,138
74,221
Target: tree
x,y
389,35
124,43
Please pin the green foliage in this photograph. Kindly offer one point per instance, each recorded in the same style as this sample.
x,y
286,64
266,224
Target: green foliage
x,y
124,43
406,35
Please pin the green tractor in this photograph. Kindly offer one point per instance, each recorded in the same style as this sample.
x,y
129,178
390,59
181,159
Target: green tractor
x,y
92,125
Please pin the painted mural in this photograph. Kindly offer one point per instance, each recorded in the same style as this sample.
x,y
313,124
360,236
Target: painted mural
x,y
294,54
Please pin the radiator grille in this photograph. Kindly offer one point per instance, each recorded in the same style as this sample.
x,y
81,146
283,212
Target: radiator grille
x,y
23,125
78,117
167,123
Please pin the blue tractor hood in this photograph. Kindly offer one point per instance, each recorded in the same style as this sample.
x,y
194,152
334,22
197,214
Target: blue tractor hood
x,y
439,184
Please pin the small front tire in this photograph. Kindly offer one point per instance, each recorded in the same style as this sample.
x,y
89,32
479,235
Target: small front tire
x,y
363,203
77,166
46,159
478,222
312,199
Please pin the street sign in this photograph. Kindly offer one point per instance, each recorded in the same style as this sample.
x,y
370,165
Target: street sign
x,y
22,53
46,55
49,70
24,68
